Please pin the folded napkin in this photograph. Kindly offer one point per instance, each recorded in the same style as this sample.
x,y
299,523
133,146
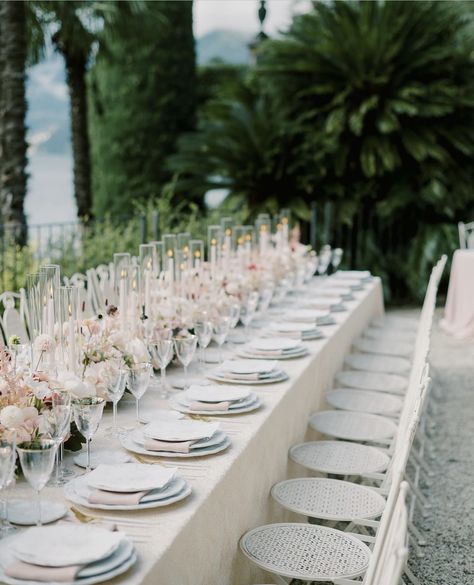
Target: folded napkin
x,y
197,405
103,497
27,572
173,447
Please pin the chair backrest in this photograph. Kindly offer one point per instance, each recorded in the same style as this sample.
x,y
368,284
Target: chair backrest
x,y
466,234
391,551
13,320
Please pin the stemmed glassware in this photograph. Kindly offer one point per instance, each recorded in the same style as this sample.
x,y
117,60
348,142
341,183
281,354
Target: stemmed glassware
x,y
161,350
325,256
203,330
87,414
220,330
115,389
138,382
7,468
57,421
247,310
185,348
336,257
37,462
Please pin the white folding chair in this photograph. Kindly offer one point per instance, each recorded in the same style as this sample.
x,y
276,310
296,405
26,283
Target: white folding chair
x,y
466,234
13,322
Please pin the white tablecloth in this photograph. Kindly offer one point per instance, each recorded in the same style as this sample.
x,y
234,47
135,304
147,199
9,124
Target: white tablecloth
x,y
195,542
459,311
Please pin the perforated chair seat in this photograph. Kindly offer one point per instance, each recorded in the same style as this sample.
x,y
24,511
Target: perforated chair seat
x,y
382,347
339,457
329,499
364,401
306,551
390,335
377,363
373,381
353,426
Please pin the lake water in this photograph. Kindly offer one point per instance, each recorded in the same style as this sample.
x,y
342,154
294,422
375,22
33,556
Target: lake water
x,y
50,190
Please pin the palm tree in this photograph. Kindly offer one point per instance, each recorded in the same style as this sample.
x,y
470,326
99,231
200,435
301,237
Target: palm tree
x,y
13,180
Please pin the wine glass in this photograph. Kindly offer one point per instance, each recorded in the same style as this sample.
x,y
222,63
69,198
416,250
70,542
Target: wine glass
x,y
185,348
87,415
266,296
138,382
336,258
203,330
7,468
115,389
162,353
37,462
325,256
247,311
220,330
57,421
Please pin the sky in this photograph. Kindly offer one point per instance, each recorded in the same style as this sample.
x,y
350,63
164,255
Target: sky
x,y
243,15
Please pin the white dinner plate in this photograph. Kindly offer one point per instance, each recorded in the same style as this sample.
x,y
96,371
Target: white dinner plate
x,y
249,399
77,492
287,355
246,367
128,442
129,477
216,393
65,544
251,406
216,438
107,569
180,430
25,512
273,344
278,377
102,456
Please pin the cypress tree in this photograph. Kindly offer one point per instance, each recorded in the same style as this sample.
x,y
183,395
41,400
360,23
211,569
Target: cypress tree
x,y
142,97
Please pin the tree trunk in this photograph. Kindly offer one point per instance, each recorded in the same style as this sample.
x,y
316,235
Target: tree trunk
x,y
76,79
13,146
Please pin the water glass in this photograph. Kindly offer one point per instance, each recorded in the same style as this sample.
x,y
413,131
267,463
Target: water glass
x,y
37,462
220,330
87,415
57,422
325,256
115,389
162,353
203,330
138,382
336,257
248,309
185,348
7,468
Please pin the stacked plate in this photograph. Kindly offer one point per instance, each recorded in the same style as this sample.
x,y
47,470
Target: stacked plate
x,y
180,438
303,331
70,553
332,289
334,305
278,348
248,371
351,283
127,486
216,399
314,316
361,275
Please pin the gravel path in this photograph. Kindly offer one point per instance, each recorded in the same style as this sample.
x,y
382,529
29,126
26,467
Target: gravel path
x,y
449,557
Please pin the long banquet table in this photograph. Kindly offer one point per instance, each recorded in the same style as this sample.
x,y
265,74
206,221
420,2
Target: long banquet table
x,y
195,542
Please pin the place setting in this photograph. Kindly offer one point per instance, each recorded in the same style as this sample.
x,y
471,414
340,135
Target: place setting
x,y
65,553
127,486
317,317
216,399
278,348
177,439
248,371
295,330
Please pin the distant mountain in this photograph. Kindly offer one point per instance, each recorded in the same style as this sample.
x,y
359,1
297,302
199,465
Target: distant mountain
x,y
48,103
230,46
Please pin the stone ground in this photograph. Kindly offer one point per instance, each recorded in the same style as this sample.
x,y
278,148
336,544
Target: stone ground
x,y
449,556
